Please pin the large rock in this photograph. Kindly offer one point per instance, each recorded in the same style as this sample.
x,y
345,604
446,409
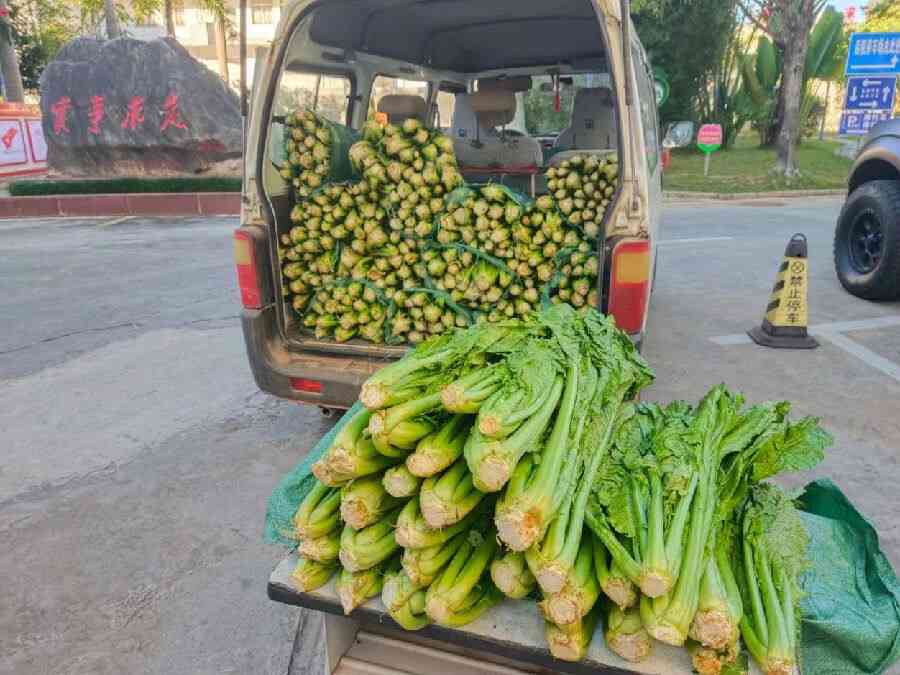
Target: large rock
x,y
126,106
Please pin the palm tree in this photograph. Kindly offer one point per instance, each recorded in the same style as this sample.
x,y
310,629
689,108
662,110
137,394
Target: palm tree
x,y
219,11
169,14
9,61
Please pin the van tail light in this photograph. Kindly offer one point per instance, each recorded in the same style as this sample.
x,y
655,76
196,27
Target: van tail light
x,y
306,386
245,261
629,285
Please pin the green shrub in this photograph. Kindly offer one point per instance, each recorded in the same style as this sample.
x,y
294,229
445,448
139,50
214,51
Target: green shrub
x,y
37,188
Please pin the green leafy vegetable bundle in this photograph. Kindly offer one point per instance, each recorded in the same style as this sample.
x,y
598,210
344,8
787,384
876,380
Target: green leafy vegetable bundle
x,y
511,460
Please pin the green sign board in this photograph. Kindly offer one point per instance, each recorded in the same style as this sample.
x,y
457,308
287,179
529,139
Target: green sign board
x,y
661,84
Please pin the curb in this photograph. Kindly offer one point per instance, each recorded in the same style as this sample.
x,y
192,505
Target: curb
x,y
146,204
786,194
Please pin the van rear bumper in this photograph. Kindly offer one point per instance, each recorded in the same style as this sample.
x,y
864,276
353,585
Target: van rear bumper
x,y
274,365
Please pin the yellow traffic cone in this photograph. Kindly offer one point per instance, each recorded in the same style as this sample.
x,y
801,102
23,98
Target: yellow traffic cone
x,y
787,315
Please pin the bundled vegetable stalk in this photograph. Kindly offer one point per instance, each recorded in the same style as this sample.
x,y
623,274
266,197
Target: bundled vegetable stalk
x,y
511,575
365,501
464,590
439,450
344,311
524,434
413,531
356,588
363,549
310,575
772,554
626,635
583,187
422,314
316,151
352,454
404,601
736,448
570,643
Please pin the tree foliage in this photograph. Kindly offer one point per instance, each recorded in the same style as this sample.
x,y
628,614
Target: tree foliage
x,y
39,28
688,39
882,16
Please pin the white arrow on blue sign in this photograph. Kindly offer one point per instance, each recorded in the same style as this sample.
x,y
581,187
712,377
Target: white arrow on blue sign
x,y
873,54
871,93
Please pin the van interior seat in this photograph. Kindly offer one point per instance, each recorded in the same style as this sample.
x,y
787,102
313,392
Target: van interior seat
x,y
478,137
593,124
401,107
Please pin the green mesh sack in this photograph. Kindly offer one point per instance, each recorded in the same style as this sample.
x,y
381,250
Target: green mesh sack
x,y
342,137
851,610
293,488
325,160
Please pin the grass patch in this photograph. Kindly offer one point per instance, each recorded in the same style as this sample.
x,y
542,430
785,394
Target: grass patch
x,y
746,168
40,188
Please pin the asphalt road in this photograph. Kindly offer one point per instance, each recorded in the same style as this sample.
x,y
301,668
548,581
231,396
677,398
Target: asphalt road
x,y
138,454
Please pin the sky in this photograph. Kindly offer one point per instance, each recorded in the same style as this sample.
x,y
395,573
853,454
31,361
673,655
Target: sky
x,y
844,4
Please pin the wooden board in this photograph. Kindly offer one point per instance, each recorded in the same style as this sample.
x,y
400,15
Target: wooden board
x,y
514,630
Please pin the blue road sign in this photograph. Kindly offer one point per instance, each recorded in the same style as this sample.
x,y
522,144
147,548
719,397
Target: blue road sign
x,y
873,54
871,93
859,122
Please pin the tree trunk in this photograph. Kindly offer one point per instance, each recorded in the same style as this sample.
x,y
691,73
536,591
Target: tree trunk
x,y
113,30
169,11
771,132
792,87
222,46
825,110
9,64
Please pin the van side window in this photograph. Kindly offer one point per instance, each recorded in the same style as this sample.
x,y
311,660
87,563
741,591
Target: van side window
x,y
328,95
384,85
647,100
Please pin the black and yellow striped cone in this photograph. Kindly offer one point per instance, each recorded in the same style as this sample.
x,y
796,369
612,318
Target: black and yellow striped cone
x,y
787,315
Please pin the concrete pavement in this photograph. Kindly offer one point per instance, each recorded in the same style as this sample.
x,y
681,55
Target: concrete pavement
x,y
139,454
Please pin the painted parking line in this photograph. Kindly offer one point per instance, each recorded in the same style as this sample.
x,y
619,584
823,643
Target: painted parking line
x,y
834,333
818,329
864,354
115,221
695,240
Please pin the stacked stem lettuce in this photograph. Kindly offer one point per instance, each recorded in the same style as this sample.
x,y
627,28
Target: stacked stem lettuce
x,y
511,460
405,251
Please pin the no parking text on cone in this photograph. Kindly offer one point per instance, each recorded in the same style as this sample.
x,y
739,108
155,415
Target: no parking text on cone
x,y
787,314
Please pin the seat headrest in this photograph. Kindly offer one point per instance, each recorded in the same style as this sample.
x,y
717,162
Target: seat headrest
x,y
494,108
400,107
594,96
514,84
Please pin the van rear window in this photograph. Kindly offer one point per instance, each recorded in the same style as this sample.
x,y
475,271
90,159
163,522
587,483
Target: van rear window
x,y
326,94
541,116
384,85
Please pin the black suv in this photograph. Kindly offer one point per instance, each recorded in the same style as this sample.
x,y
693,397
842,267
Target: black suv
x,y
867,238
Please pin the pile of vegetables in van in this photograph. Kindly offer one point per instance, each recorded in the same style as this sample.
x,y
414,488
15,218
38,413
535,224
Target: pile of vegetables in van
x,y
509,461
406,251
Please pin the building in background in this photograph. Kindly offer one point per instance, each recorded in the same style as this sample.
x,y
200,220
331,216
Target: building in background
x,y
195,29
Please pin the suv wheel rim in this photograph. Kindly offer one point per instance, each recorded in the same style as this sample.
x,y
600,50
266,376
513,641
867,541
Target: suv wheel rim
x,y
866,242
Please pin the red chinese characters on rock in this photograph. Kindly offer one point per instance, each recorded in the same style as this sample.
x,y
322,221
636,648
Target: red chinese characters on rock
x,y
9,137
171,114
96,114
60,111
134,115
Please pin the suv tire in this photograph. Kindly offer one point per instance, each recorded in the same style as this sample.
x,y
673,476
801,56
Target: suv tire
x,y
867,241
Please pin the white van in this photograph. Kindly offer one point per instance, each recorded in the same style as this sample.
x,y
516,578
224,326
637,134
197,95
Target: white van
x,y
519,85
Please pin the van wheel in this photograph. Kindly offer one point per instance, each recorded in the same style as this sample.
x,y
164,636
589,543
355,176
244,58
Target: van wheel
x,y
867,241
